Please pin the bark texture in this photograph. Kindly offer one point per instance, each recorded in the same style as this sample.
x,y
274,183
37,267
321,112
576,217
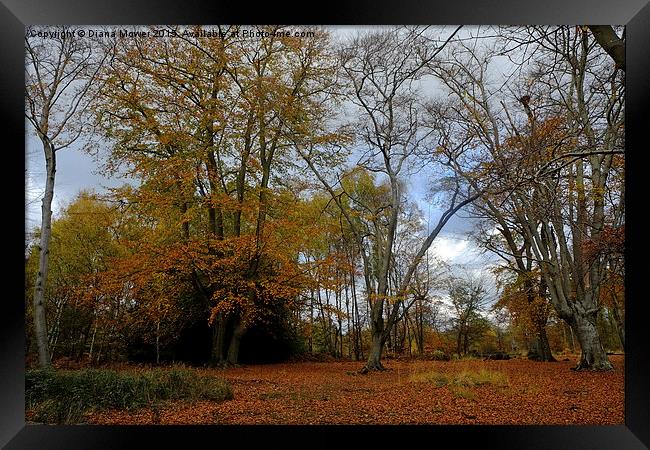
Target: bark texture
x,y
40,324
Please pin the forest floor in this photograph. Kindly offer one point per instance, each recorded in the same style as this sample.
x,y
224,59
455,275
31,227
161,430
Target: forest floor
x,y
334,393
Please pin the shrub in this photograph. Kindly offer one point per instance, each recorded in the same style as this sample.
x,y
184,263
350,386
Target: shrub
x,y
57,396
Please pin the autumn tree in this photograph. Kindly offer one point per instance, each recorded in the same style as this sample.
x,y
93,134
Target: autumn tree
x,y
468,298
570,202
288,76
524,296
472,122
206,126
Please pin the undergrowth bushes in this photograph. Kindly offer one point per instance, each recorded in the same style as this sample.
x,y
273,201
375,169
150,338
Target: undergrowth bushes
x,y
57,396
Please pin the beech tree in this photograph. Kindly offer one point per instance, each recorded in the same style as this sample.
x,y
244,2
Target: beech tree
x,y
586,140
473,121
59,76
210,125
550,129
381,70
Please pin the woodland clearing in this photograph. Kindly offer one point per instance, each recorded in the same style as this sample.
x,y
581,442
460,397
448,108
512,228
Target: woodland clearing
x,y
334,393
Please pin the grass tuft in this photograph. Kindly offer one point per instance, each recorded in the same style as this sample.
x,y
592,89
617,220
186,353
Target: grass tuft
x,y
466,378
465,393
438,378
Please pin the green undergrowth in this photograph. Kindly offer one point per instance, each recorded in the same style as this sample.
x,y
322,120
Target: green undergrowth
x,y
64,397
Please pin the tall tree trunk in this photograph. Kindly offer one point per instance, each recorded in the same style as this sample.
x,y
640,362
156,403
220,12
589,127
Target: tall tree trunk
x,y
340,323
572,342
92,343
55,331
40,323
593,355
311,323
618,320
545,347
356,323
374,356
350,328
540,349
235,341
377,337
215,214
218,340
420,318
466,343
157,342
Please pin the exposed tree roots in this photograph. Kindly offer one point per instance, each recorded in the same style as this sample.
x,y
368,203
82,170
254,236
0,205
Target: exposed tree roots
x,y
367,369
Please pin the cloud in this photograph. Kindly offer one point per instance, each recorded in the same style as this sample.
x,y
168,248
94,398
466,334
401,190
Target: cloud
x,y
449,248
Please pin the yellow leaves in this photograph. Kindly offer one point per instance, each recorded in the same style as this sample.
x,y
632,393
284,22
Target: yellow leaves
x,y
525,301
184,123
549,138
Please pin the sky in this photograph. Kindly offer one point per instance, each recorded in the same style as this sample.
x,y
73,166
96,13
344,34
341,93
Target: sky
x,y
77,171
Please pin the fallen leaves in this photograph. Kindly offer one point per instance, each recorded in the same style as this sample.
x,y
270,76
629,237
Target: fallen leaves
x,y
325,393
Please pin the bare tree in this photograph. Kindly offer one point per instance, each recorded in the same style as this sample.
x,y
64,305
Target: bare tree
x,y
610,42
383,70
59,74
568,147
549,153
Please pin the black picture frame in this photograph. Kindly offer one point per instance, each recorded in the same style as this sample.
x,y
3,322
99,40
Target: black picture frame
x,y
16,14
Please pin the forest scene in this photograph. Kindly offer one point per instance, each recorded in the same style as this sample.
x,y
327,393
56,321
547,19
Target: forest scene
x,y
325,225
